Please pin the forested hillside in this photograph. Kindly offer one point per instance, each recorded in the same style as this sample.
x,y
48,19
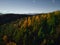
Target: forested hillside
x,y
39,29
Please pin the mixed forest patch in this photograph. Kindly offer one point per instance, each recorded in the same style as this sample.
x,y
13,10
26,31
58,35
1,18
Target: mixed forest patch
x,y
39,29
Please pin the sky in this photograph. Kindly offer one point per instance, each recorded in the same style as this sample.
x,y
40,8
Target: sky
x,y
29,6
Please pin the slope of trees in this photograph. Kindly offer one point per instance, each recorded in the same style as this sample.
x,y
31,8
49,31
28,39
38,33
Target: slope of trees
x,y
37,29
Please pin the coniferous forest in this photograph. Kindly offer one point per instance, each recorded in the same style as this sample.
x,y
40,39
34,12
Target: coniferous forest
x,y
26,29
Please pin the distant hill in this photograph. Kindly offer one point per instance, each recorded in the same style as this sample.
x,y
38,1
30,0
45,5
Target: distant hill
x,y
6,18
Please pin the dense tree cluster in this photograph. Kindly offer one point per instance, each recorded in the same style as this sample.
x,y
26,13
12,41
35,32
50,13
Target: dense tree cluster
x,y
32,30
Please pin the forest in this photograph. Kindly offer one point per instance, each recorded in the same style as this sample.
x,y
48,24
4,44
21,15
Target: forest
x,y
39,29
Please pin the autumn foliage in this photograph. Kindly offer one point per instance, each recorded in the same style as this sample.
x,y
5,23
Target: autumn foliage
x,y
39,29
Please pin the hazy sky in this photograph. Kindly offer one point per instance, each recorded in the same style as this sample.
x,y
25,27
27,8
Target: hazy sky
x,y
29,6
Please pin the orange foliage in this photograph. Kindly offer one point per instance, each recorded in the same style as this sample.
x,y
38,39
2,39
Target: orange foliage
x,y
43,16
25,23
29,21
5,38
33,18
19,24
38,18
11,43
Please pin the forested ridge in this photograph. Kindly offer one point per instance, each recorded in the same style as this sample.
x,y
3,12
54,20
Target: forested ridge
x,y
23,29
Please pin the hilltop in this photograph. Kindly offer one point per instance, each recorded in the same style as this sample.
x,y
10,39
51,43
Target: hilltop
x,y
6,18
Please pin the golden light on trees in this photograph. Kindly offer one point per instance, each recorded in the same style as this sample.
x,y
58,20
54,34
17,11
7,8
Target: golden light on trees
x,y
25,23
33,19
43,16
48,16
37,18
57,12
11,43
29,21
5,38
